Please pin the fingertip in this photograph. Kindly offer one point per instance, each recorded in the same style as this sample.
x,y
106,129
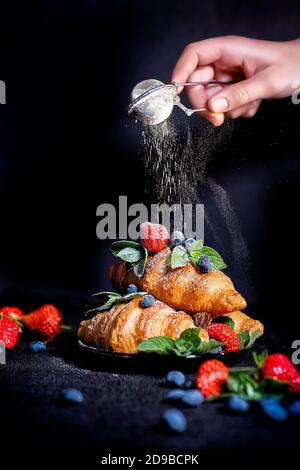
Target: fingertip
x,y
216,119
218,104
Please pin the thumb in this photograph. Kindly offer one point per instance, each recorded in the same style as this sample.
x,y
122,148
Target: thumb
x,y
233,96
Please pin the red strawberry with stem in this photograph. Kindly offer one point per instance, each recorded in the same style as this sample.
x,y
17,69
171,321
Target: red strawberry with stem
x,y
45,321
278,366
210,377
11,312
154,237
223,333
9,332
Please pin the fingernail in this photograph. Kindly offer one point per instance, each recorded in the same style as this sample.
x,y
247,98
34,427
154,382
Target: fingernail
x,y
219,105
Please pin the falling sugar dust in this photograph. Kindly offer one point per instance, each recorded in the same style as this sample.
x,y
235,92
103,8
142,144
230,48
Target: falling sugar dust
x,y
175,159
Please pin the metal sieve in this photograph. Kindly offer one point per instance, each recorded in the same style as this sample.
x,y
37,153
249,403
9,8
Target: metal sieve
x,y
152,101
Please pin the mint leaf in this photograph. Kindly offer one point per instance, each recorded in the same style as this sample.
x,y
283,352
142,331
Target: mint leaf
x,y
197,246
215,259
158,344
111,294
194,251
119,245
134,254
189,342
130,255
191,334
139,267
179,257
113,299
182,347
224,319
204,347
253,338
244,339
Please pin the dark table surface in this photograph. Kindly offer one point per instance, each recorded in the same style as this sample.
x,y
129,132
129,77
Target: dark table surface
x,y
124,400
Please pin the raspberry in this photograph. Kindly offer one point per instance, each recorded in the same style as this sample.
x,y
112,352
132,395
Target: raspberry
x,y
154,237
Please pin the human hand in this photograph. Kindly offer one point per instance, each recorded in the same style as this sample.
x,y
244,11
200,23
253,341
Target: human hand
x,y
263,69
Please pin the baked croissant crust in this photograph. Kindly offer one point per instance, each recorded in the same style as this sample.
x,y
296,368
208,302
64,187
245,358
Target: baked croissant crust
x,y
182,288
242,322
125,325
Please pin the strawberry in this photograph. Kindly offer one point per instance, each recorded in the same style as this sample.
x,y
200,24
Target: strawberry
x,y
9,332
278,366
46,321
210,377
11,312
154,237
295,384
222,332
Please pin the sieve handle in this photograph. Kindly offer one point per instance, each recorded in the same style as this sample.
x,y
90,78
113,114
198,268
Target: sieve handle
x,y
212,82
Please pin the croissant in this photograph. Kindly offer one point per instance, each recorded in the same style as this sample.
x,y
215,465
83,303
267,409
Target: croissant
x,y
125,325
183,288
241,322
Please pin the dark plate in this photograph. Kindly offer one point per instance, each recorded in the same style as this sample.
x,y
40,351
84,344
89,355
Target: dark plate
x,y
145,357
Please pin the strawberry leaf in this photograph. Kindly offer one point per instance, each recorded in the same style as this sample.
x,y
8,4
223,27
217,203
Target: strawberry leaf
x,y
259,359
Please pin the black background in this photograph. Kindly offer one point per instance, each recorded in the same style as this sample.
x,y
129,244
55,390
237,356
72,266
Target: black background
x,y
66,145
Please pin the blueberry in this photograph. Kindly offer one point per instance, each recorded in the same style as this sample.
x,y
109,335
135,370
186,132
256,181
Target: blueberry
x,y
272,408
147,301
294,408
175,394
204,264
192,398
174,420
176,238
37,346
175,377
131,289
217,350
268,402
72,395
238,404
189,243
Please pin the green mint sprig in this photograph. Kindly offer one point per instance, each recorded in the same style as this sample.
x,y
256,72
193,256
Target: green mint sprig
x,y
113,298
188,343
181,256
133,253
